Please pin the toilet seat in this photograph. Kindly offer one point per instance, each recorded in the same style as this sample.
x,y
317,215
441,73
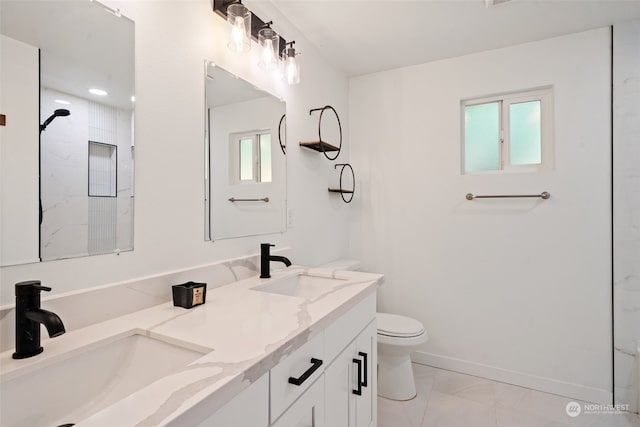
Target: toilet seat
x,y
396,326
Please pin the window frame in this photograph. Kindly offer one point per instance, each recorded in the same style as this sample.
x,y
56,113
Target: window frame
x,y
505,100
256,160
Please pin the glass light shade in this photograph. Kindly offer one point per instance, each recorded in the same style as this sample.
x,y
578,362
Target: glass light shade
x,y
240,19
269,42
291,72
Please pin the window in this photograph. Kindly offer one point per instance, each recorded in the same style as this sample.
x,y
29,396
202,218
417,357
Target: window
x,y
103,169
507,132
252,162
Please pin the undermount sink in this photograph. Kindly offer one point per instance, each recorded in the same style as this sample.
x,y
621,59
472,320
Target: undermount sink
x,y
300,285
89,380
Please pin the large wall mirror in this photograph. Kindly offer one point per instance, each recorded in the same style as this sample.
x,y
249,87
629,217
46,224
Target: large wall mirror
x,y
67,149
244,142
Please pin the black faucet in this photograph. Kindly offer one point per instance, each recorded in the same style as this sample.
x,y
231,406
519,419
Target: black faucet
x,y
266,258
29,316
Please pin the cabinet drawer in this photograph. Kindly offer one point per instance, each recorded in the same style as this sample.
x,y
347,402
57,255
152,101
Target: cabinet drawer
x,y
341,332
308,410
298,365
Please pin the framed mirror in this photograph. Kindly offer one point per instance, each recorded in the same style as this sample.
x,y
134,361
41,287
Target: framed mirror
x,y
246,163
67,84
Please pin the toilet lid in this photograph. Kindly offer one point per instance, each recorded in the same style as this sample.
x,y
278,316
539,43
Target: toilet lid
x,y
394,325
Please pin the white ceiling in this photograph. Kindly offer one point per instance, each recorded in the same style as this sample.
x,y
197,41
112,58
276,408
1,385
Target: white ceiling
x,y
224,88
366,36
82,45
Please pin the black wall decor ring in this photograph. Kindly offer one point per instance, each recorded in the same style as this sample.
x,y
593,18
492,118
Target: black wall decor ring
x,y
322,145
283,147
341,189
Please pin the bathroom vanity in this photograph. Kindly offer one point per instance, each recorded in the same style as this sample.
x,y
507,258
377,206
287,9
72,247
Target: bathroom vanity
x,y
299,347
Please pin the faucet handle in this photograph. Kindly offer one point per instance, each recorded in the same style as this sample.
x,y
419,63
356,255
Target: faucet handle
x,y
30,288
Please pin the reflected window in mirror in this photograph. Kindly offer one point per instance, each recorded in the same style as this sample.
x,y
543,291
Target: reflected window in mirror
x,y
246,170
253,163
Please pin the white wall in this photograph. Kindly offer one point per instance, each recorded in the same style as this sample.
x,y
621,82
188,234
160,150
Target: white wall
x,y
626,211
518,290
173,38
19,102
246,218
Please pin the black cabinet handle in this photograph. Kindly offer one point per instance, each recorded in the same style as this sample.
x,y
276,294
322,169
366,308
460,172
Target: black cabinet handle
x,y
364,356
359,390
302,378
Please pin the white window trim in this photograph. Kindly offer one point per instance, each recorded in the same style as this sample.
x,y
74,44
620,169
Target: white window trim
x,y
234,149
545,96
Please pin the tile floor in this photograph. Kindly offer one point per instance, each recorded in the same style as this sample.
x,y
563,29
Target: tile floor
x,y
451,399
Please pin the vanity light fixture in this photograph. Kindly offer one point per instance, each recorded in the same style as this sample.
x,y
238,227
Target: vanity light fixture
x,y
240,19
250,26
269,42
291,72
61,101
98,92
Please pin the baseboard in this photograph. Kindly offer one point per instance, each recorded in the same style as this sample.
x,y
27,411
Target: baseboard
x,y
547,385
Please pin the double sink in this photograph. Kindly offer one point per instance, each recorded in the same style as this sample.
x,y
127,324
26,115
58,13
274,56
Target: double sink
x,y
72,386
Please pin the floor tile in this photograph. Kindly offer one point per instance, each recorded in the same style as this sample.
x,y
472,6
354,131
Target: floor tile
x,y
508,395
605,420
452,399
544,405
413,409
391,414
445,410
425,377
465,386
507,417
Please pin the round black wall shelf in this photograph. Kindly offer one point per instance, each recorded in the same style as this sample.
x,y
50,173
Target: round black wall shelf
x,y
321,145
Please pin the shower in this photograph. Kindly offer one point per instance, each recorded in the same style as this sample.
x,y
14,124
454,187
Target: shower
x,y
62,112
58,113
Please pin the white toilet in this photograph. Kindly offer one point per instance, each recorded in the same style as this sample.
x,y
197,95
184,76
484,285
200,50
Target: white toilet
x,y
397,338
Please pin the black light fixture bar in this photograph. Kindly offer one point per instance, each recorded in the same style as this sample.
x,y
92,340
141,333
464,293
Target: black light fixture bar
x,y
220,7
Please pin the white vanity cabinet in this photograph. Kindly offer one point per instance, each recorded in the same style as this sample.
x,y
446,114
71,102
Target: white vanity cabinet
x,y
250,408
308,410
336,374
350,383
290,378
350,380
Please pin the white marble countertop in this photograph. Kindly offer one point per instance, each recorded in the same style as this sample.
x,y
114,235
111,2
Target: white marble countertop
x,y
247,331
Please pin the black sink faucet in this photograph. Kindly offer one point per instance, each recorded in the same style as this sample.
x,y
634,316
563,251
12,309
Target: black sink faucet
x,y
29,316
266,258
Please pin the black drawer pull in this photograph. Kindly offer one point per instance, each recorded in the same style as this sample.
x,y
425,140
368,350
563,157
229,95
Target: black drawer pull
x,y
302,378
359,390
364,356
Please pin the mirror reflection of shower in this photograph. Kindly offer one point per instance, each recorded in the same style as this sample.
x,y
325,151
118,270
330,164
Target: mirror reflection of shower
x,y
62,112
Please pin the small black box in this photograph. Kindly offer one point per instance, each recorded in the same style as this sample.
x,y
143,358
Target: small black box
x,y
189,294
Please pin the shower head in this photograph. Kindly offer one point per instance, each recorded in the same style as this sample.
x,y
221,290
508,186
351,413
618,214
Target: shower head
x,y
62,112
